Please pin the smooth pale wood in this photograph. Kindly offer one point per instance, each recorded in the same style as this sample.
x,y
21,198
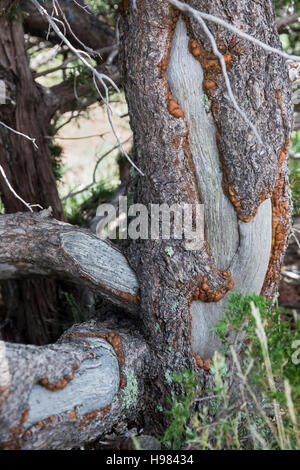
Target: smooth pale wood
x,y
242,248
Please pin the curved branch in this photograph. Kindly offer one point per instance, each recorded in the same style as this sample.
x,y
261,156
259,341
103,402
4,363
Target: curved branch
x,y
34,245
62,395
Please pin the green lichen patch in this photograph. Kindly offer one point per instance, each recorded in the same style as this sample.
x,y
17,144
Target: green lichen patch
x,y
130,391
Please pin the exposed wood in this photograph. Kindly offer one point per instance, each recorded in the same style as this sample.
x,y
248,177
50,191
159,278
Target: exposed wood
x,y
31,245
61,395
243,248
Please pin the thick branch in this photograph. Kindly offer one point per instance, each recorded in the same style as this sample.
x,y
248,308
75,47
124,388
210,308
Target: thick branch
x,y
285,21
62,97
93,32
32,245
62,395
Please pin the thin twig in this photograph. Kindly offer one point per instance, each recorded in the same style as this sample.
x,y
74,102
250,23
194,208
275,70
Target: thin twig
x,y
199,14
74,57
28,205
50,137
88,49
19,133
84,7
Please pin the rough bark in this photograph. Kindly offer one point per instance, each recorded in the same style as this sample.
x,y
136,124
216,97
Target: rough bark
x,y
29,170
33,245
60,395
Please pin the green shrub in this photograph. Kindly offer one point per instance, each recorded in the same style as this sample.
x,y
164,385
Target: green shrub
x,y
254,400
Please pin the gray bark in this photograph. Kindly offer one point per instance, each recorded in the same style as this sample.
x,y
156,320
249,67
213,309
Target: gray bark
x,y
238,252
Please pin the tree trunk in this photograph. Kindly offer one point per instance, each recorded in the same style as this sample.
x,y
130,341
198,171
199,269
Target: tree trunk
x,y
28,169
193,146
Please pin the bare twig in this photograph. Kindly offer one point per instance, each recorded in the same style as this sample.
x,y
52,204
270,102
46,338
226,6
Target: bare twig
x,y
62,66
19,133
84,7
75,193
227,81
29,206
88,49
100,77
281,23
50,137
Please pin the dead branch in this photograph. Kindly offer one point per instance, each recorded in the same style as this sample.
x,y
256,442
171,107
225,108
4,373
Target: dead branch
x,y
34,245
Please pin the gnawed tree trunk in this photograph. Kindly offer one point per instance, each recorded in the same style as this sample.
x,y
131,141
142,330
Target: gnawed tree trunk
x,y
60,395
193,147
